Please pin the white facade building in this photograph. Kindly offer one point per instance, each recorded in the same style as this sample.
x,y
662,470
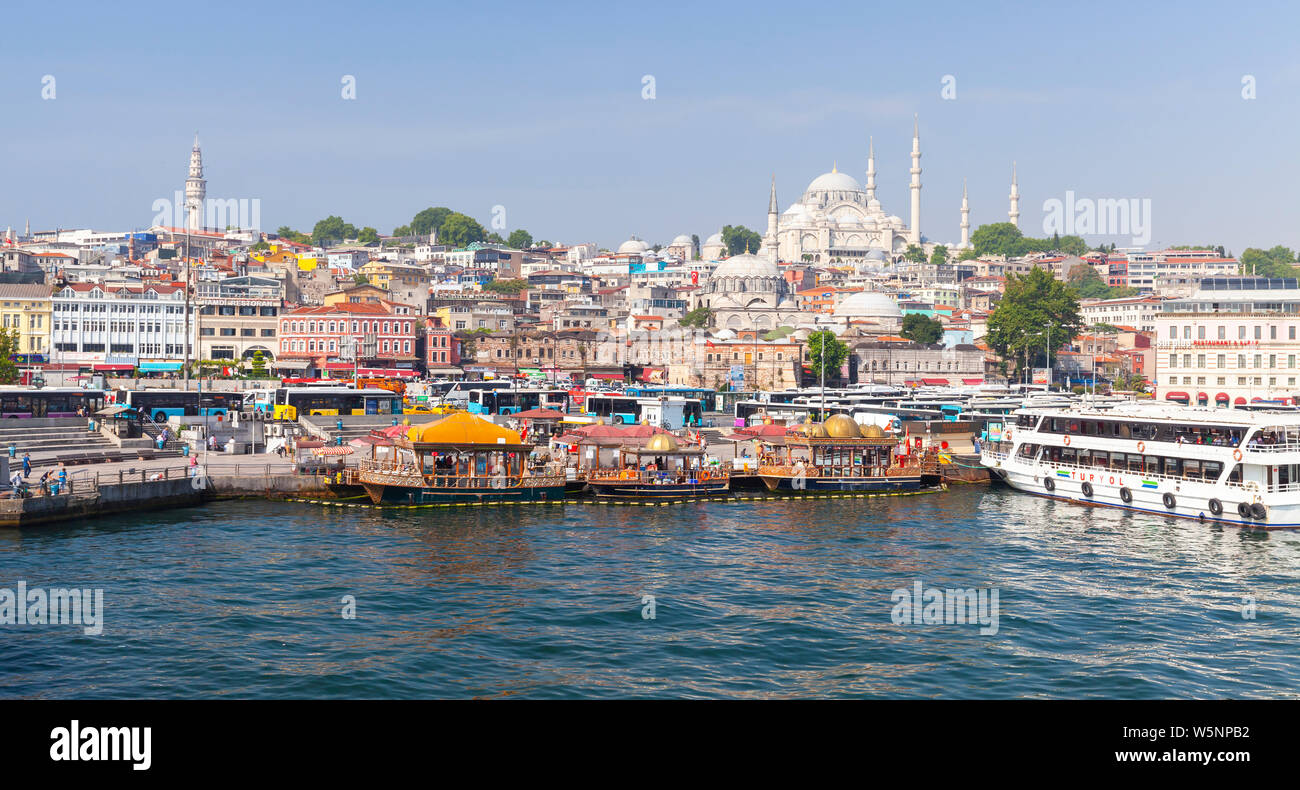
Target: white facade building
x,y
96,324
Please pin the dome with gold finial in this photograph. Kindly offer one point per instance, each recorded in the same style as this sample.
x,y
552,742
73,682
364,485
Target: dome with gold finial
x,y
661,443
873,432
841,426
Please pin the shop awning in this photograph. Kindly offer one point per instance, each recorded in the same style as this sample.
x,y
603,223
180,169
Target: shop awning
x,y
972,381
1201,396
1239,401
610,376
1176,396
112,368
111,411
1222,397
387,373
156,367
291,364
935,382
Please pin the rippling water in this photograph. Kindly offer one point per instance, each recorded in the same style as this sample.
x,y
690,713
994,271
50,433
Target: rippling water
x,y
752,599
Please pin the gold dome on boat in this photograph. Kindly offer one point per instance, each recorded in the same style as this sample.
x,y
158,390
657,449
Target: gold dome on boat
x,y
841,426
813,430
661,443
873,432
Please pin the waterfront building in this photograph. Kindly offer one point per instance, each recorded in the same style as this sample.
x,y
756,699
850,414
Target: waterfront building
x,y
27,311
1176,272
120,327
238,317
1235,341
378,335
902,362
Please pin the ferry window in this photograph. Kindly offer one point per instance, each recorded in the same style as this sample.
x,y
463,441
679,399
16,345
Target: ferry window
x,y
1235,475
1152,464
1118,461
1028,450
1192,469
1212,469
1135,463
1122,430
1069,455
1089,428
1173,467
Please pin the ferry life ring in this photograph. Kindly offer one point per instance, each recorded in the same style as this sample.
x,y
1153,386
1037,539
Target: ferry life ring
x,y
1243,509
1049,484
1216,507
1126,495
1169,501
1236,454
1142,447
1087,490
1008,435
1067,441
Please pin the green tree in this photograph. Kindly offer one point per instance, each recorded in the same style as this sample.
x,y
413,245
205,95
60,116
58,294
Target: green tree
x,y
998,238
368,235
261,246
286,232
332,229
429,221
258,365
826,354
402,230
519,239
545,243
699,317
1276,262
511,287
459,230
1037,313
740,239
968,255
940,255
360,279
921,328
9,345
695,246
1087,283
914,254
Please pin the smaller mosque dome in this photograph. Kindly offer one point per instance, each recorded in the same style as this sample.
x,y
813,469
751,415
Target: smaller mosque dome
x,y
633,246
868,304
841,426
873,432
661,443
714,239
682,239
746,265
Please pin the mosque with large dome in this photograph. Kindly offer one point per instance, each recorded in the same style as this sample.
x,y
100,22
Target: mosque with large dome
x,y
838,220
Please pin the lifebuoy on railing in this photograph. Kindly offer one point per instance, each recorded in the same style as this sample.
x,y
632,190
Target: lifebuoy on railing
x,y
1142,447
1236,454
1067,441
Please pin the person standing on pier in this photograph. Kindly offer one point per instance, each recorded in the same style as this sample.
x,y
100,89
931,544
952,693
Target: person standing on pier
x,y
27,465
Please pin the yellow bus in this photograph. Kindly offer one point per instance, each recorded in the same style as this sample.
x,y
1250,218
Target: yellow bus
x,y
293,402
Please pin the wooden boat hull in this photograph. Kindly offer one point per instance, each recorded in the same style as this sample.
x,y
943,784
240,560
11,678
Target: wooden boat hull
x,y
404,495
814,485
633,489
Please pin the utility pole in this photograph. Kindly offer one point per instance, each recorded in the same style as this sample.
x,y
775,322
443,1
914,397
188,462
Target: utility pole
x,y
185,264
1049,356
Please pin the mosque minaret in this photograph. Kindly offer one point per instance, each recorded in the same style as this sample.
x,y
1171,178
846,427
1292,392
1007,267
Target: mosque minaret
x,y
965,218
1014,213
915,236
196,189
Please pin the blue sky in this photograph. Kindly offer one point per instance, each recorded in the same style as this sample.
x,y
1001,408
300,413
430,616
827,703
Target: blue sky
x,y
539,108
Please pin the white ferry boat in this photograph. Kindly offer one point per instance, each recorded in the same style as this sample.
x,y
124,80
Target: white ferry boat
x,y
1234,466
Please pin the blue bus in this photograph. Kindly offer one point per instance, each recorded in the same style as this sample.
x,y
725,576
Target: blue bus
x,y
513,401
160,404
706,397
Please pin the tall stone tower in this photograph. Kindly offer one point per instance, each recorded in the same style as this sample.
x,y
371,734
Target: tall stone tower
x,y
196,189
770,238
915,235
871,170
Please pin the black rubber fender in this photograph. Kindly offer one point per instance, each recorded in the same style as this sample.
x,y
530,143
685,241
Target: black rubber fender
x,y
1169,501
1087,490
1216,507
1126,495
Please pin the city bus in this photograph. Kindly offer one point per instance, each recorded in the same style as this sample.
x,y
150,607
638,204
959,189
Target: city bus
x,y
672,413
51,402
292,402
160,404
706,397
259,401
513,401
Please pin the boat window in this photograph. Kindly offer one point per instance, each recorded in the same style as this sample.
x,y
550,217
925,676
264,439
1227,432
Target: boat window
x,y
1192,469
1069,455
1212,469
1152,464
1028,450
1134,463
1172,467
1089,428
1122,430
1235,475
1118,461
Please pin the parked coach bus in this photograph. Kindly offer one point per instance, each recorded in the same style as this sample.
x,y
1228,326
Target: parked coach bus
x,y
51,402
513,401
293,402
